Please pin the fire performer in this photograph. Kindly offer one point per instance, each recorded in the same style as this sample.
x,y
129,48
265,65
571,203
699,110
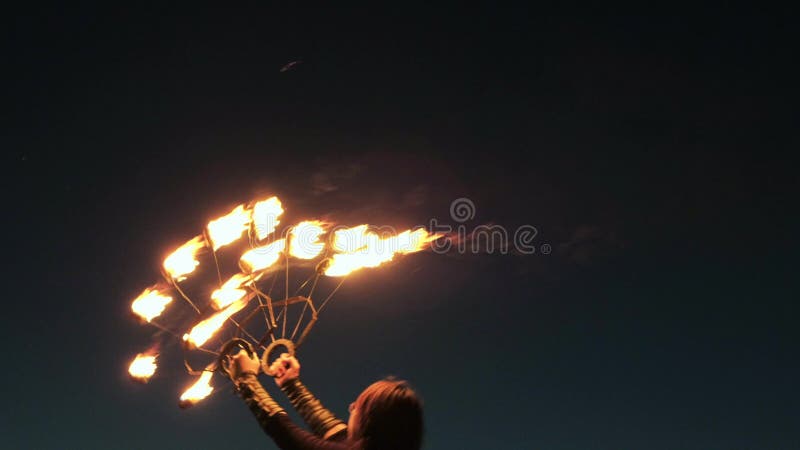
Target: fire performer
x,y
387,415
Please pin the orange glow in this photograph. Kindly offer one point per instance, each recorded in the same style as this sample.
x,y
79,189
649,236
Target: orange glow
x,y
150,304
265,216
229,227
223,298
260,258
183,261
361,248
143,367
304,242
232,290
351,239
199,390
204,330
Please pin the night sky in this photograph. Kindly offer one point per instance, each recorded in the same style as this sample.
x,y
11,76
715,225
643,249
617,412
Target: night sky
x,y
649,151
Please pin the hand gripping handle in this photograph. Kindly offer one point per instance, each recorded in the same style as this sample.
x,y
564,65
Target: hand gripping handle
x,y
289,345
223,363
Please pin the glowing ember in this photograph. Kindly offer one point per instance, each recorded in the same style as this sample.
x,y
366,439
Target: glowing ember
x,y
150,304
203,331
231,291
143,367
228,228
265,216
199,390
260,258
304,242
183,260
361,248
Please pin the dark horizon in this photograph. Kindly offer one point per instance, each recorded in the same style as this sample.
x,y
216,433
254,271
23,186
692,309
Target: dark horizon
x,y
648,151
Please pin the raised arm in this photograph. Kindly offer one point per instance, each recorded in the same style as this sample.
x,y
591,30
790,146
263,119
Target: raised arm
x,y
321,420
271,417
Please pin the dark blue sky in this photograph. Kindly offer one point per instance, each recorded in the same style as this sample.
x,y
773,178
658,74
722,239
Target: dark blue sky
x,y
648,151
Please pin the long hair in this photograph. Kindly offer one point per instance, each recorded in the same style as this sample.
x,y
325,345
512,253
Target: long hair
x,y
389,417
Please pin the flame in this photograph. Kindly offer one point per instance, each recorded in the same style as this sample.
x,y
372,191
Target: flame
x,y
305,243
351,239
228,228
199,390
203,331
232,290
260,258
412,241
183,260
265,216
143,367
361,248
150,304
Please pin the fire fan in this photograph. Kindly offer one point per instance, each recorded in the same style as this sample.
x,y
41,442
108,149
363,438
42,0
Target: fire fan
x,y
242,311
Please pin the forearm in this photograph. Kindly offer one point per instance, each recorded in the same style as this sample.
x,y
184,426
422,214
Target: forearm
x,y
257,399
321,421
274,420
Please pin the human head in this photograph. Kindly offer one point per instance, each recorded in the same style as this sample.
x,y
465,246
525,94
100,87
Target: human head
x,y
387,416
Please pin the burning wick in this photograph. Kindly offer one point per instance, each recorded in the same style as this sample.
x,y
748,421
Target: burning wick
x,y
261,258
183,261
360,248
143,367
265,216
229,227
150,304
305,242
204,330
199,390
